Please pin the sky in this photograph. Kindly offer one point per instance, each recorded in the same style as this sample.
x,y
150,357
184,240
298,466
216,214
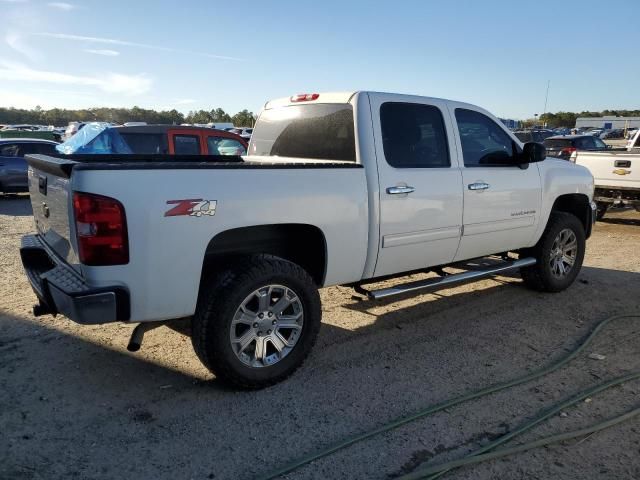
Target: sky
x,y
204,54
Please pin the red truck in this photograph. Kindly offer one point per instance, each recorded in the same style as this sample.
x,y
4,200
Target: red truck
x,y
100,138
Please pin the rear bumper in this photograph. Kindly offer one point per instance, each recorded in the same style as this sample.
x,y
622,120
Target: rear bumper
x,y
61,290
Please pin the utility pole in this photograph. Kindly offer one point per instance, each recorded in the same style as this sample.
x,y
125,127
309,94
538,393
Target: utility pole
x,y
546,97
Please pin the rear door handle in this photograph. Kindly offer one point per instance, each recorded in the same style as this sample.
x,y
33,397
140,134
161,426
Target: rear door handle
x,y
478,186
400,190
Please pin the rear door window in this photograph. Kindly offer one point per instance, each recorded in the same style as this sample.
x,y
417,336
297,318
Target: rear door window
x,y
318,131
186,144
413,136
224,146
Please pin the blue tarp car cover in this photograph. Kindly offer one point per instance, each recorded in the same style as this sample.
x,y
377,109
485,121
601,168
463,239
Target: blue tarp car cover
x,y
95,137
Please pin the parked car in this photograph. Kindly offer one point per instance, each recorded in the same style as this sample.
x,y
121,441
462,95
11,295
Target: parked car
x,y
612,134
562,146
595,132
102,138
244,132
13,167
240,248
533,135
22,127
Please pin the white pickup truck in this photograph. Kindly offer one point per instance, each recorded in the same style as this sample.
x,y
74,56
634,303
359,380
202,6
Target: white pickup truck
x,y
616,175
337,188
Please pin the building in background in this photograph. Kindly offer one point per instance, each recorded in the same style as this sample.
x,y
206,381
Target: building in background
x,y
510,123
608,122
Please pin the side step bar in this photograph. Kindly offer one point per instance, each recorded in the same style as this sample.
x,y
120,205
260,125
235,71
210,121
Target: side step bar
x,y
438,283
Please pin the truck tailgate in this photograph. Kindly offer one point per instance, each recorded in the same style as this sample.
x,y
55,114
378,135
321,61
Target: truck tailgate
x,y
51,199
612,169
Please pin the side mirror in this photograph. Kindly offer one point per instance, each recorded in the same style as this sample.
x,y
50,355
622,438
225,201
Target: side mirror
x,y
533,152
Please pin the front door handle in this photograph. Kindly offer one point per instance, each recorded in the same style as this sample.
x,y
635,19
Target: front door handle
x,y
478,186
400,190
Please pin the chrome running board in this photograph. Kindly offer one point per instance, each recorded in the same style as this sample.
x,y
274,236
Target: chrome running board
x,y
454,279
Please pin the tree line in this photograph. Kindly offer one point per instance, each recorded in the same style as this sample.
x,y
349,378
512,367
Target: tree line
x,y
61,117
568,119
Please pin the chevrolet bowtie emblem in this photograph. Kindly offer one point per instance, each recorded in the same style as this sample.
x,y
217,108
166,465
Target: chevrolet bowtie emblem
x,y
621,171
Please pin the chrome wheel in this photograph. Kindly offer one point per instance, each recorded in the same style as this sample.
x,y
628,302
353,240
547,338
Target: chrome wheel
x,y
564,252
267,326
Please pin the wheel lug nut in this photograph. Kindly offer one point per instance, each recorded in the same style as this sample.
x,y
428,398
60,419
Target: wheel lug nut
x,y
270,314
273,322
259,334
255,325
268,332
261,315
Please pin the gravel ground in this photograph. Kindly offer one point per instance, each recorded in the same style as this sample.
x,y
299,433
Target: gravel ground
x,y
75,404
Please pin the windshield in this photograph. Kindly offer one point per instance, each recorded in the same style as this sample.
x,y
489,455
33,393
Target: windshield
x,y
318,131
97,138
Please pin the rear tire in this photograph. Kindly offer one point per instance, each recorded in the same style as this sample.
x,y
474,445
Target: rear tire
x,y
243,332
602,208
559,254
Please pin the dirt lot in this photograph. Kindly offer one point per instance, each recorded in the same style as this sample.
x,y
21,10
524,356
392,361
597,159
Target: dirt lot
x,y
75,404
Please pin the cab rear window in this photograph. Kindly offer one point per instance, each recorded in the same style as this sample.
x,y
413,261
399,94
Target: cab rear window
x,y
318,131
146,143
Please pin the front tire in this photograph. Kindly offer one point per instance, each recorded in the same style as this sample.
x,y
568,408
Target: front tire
x,y
559,254
256,321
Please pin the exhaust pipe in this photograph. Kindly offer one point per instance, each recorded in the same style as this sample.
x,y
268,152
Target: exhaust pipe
x,y
135,342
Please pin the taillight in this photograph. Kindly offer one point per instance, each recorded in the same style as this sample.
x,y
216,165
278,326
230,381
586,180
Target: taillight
x,y
304,97
566,152
101,229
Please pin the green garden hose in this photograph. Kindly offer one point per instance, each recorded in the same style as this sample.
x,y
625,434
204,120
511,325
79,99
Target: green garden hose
x,y
441,469
528,446
346,442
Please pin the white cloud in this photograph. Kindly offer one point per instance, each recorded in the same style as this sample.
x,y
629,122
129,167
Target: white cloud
x,y
15,41
110,82
105,52
14,1
115,41
62,5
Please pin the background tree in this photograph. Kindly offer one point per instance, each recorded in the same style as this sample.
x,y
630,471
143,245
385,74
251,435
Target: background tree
x,y
245,118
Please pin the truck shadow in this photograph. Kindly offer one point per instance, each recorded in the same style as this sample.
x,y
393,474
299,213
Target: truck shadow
x,y
15,205
78,383
621,221
101,365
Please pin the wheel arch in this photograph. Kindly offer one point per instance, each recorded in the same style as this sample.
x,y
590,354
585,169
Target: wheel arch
x,y
303,244
578,205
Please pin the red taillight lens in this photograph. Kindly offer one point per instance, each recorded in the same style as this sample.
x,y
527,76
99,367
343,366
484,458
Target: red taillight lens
x,y
101,229
567,151
304,97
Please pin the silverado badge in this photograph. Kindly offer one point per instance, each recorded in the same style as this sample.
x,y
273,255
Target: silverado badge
x,y
194,207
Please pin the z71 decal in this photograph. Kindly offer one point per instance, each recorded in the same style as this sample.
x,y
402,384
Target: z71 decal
x,y
194,207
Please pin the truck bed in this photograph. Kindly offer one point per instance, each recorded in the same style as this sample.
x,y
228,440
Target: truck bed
x,y
63,165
